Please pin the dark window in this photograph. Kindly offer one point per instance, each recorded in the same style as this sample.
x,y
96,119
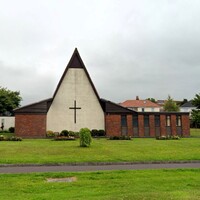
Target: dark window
x,y
178,120
123,120
146,120
135,121
168,120
157,120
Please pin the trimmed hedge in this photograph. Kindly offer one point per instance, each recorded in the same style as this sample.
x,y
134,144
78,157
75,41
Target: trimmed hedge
x,y
98,133
120,137
172,137
13,138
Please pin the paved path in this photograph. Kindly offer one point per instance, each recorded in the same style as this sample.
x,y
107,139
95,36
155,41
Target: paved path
x,y
79,168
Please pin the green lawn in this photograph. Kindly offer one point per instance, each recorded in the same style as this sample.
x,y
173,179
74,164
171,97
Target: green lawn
x,y
180,184
195,132
101,150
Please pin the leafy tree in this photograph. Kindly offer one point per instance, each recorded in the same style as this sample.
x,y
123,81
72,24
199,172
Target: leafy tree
x,y
196,101
9,100
195,115
152,100
170,105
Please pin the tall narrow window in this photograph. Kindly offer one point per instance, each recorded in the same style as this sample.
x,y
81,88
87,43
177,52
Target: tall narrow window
x,y
157,120
123,121
168,120
146,120
178,120
135,121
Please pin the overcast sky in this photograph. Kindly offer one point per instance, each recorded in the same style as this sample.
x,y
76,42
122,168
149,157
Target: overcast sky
x,y
130,47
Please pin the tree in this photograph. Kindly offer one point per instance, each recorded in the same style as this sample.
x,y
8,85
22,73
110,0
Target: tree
x,y
195,115
152,100
9,100
196,101
170,105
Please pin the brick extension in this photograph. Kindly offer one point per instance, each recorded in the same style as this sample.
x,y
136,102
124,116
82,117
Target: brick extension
x,y
30,126
113,125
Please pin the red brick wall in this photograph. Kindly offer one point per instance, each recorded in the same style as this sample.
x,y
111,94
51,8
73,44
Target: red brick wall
x,y
141,125
130,125
185,125
30,126
113,125
162,125
173,125
152,125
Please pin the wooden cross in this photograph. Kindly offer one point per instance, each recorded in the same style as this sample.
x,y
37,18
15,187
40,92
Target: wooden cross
x,y
75,108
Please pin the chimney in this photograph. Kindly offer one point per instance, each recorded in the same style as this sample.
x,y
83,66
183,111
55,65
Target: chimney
x,y
137,97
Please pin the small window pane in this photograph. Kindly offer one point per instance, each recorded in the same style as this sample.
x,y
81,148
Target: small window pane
x,y
168,121
157,120
146,120
178,120
135,121
123,120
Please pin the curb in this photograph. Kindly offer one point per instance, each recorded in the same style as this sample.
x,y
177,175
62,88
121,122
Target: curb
x,y
99,163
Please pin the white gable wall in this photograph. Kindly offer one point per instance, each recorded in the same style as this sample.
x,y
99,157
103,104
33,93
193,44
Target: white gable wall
x,y
75,86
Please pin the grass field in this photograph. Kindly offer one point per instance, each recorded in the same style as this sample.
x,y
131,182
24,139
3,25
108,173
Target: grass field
x,y
195,132
102,150
111,185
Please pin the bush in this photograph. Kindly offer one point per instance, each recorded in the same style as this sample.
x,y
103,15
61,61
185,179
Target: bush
x,y
97,133
2,138
64,133
63,138
11,129
168,137
15,139
73,134
85,137
102,133
124,137
50,134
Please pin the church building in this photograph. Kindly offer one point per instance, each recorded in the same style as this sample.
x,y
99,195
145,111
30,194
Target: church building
x,y
76,104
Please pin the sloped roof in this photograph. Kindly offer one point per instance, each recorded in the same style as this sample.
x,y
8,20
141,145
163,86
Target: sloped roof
x,y
139,103
76,62
111,107
188,104
40,107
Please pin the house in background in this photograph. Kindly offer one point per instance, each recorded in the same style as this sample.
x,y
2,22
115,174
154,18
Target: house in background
x,y
187,107
141,105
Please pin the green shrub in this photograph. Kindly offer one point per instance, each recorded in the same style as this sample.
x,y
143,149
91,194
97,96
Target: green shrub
x,y
102,132
123,137
85,137
168,137
94,132
2,138
11,129
14,139
73,134
64,133
97,133
50,133
63,138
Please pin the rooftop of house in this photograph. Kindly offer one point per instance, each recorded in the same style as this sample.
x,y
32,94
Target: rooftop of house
x,y
139,103
187,104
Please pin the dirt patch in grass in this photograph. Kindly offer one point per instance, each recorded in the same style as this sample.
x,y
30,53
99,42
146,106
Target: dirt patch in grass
x,y
67,179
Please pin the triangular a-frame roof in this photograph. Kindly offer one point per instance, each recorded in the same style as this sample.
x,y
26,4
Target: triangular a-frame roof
x,y
76,62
